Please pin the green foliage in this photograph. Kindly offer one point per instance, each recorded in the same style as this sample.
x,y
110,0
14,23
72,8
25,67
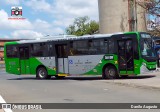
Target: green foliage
x,y
82,26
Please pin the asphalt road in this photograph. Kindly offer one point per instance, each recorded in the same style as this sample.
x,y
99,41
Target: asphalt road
x,y
27,89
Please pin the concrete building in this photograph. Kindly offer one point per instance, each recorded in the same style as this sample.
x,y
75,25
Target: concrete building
x,y
121,16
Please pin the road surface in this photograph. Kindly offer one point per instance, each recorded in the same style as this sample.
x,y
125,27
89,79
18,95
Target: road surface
x,y
27,89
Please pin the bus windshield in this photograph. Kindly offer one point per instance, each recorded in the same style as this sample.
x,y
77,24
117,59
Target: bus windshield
x,y
146,45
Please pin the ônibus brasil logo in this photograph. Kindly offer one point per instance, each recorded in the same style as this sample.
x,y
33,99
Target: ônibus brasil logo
x,y
16,13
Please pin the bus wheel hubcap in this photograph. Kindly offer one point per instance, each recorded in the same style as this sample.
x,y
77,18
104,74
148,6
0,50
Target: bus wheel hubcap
x,y
41,73
111,72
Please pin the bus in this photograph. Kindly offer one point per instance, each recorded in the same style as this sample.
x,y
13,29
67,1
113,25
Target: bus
x,y
110,55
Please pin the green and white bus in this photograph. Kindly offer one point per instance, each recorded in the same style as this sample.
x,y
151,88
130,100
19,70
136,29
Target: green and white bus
x,y
110,55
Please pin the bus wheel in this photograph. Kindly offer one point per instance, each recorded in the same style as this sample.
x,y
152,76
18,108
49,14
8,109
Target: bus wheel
x,y
59,77
42,73
110,72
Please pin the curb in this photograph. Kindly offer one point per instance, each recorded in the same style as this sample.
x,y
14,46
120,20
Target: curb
x,y
152,83
134,85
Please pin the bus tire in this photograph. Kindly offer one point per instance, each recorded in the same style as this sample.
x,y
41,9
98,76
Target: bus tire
x,y
110,72
42,73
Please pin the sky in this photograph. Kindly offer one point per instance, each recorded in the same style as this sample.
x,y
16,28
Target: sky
x,y
43,17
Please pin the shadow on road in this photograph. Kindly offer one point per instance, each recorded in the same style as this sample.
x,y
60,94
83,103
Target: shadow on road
x,y
53,78
137,77
85,78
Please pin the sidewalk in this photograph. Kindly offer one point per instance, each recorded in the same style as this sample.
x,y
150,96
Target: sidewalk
x,y
151,81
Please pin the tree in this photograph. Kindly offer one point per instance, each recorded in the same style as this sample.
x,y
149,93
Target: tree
x,y
153,9
82,26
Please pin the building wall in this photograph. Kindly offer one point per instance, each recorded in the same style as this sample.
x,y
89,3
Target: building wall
x,y
1,50
114,16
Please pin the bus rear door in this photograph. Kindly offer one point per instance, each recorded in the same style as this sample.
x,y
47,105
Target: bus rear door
x,y
24,60
126,56
62,59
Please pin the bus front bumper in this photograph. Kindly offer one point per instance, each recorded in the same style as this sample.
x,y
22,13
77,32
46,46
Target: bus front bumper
x,y
145,71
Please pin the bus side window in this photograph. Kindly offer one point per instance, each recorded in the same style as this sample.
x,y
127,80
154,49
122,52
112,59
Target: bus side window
x,y
80,47
111,47
72,50
98,46
91,50
32,50
37,50
44,49
50,51
105,48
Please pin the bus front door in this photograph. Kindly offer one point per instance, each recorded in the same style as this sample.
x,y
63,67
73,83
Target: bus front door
x,y
62,59
24,60
126,56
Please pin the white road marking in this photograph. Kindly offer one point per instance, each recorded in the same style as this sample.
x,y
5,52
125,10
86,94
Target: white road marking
x,y
3,101
105,89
